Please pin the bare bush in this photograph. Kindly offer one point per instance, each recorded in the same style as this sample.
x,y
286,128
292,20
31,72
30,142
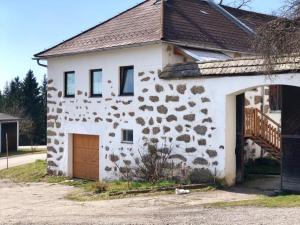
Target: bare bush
x,y
153,163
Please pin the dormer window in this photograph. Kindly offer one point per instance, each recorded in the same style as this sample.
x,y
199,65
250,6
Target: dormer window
x,y
127,81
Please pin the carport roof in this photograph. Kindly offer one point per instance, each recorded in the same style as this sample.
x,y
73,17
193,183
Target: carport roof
x,y
7,118
232,67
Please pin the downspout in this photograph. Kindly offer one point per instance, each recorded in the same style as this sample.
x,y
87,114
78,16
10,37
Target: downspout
x,y
39,63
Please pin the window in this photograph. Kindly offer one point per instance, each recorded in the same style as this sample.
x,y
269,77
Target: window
x,y
127,136
126,81
275,96
96,83
70,84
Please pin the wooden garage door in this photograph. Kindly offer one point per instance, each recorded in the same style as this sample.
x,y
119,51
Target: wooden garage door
x,y
86,156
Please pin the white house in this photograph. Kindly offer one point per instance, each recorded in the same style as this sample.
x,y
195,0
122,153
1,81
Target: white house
x,y
110,88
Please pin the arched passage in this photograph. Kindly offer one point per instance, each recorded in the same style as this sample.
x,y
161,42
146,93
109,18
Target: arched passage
x,y
290,130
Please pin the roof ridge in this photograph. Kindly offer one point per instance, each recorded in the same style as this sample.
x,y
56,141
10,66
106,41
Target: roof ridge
x,y
91,28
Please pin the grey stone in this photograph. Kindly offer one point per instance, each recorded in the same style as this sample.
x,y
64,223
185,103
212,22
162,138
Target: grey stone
x,y
114,158
170,98
171,118
146,130
190,150
204,111
189,117
207,120
212,153
145,79
202,142
200,161
191,104
184,138
179,128
51,133
158,119
197,90
51,149
159,88
145,90
151,121
181,88
112,134
205,99
140,121
166,129
200,130
51,163
155,130
181,108
108,169
162,109
154,98
178,156
115,125
146,107
141,99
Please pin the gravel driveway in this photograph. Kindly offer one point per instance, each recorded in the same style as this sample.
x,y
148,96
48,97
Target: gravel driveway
x,y
44,204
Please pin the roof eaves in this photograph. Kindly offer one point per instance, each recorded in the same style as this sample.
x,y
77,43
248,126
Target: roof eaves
x,y
102,49
185,44
39,55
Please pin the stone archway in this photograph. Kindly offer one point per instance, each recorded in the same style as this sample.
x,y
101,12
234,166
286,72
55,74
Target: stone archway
x,y
291,137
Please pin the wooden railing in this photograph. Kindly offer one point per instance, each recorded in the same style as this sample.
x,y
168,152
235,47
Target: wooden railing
x,y
259,125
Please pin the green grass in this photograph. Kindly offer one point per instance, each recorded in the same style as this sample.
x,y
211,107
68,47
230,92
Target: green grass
x,y
24,151
282,201
87,190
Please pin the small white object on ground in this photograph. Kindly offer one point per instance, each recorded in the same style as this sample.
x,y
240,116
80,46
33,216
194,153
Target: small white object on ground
x,y
181,191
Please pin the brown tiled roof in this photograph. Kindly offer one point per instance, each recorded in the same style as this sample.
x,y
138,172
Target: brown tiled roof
x,y
252,19
232,67
139,24
187,22
198,23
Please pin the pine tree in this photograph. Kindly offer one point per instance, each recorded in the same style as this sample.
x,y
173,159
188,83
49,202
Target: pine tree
x,y
31,103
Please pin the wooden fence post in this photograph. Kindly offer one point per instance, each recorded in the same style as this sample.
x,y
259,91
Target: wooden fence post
x,y
6,150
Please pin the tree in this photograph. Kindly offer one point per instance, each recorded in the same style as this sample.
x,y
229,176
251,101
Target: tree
x,y
31,104
280,37
238,3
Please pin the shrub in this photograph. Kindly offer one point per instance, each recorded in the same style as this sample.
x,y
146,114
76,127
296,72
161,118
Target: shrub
x,y
199,176
153,164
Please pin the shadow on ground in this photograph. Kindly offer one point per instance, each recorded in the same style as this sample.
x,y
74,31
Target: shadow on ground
x,y
259,184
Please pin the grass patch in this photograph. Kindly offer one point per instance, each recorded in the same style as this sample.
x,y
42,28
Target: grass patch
x,y
25,151
87,190
282,201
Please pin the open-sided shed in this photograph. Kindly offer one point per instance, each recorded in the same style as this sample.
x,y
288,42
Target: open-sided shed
x,y
9,125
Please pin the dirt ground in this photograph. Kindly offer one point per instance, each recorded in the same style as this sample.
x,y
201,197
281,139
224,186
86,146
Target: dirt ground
x,y
45,204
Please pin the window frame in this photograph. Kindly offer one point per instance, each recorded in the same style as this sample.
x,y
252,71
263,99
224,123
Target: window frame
x,y
123,136
66,84
121,79
91,83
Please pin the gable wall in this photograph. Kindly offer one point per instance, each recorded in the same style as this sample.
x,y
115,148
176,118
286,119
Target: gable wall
x,y
174,112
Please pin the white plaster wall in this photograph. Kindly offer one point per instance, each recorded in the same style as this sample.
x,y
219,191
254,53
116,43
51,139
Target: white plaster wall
x,y
203,108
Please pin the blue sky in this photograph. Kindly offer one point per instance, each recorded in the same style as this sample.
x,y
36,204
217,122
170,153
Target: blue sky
x,y
29,26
